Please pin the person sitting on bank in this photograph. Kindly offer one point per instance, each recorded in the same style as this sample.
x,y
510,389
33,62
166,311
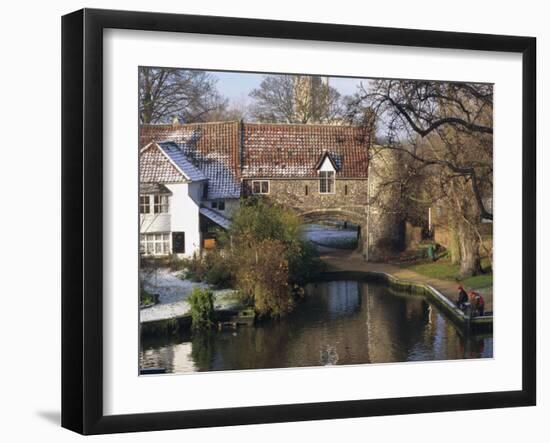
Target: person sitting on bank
x,y
462,298
478,302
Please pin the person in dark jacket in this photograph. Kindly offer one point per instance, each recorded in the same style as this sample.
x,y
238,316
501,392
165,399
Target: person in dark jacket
x,y
477,302
462,298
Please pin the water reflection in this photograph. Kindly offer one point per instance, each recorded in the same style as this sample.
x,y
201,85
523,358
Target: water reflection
x,y
340,322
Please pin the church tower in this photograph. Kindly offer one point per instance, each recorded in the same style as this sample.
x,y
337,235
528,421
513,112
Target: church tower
x,y
311,98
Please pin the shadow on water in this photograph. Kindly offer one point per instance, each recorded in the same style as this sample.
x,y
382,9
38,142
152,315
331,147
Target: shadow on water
x,y
338,323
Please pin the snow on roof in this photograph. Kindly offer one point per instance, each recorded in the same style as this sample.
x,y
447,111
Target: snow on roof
x,y
291,151
215,217
182,162
214,148
226,152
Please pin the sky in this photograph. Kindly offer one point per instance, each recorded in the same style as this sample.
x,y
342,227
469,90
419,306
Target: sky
x,y
237,85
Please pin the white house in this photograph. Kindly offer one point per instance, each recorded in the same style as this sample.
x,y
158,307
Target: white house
x,y
172,191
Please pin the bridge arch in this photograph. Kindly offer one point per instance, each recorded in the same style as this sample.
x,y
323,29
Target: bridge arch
x,y
338,214
316,215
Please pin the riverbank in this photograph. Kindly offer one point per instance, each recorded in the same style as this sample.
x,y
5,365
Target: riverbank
x,y
441,291
173,292
172,311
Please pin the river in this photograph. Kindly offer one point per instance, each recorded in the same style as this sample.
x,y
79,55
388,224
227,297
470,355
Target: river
x,y
338,323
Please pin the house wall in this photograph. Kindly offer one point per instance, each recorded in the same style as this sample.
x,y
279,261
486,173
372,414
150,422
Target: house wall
x,y
231,204
184,212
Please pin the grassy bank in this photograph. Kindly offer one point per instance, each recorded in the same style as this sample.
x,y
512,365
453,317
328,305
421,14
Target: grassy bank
x,y
445,270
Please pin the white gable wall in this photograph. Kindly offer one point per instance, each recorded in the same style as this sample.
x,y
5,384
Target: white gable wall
x,y
327,165
184,214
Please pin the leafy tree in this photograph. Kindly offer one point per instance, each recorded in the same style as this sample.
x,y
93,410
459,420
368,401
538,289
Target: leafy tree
x,y
267,256
263,278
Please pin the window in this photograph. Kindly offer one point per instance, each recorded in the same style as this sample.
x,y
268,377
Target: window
x,y
153,204
326,182
260,187
160,204
346,190
307,190
205,191
144,207
155,244
218,204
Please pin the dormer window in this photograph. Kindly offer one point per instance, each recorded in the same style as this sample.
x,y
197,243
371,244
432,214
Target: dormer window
x,y
327,173
326,182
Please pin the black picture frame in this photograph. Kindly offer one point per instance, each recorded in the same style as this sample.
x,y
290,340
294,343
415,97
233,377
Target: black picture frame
x,y
82,215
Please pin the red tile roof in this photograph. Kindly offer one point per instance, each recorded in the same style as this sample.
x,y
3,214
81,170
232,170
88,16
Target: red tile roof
x,y
228,151
154,167
288,151
213,147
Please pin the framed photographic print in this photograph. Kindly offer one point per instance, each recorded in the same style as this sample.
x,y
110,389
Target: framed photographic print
x,y
271,221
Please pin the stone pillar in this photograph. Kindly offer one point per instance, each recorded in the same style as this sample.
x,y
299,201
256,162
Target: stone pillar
x,y
385,230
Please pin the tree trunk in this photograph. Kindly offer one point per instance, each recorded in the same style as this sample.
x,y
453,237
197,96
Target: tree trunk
x,y
454,246
470,260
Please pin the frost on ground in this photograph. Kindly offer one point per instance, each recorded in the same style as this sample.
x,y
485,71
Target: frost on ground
x,y
173,293
329,236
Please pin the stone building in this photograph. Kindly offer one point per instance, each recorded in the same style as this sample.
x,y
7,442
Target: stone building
x,y
322,172
311,98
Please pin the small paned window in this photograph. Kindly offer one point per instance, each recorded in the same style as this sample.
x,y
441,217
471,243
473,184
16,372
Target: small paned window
x,y
260,187
160,205
326,182
144,206
155,244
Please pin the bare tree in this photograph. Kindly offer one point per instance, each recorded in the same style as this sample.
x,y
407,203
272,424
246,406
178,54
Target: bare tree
x,y
295,99
165,93
445,129
453,111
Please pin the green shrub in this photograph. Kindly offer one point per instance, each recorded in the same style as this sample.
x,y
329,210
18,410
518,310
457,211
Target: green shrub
x,y
270,261
201,302
145,298
263,278
219,271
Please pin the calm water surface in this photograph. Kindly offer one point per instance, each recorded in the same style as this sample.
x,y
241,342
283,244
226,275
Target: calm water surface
x,y
339,322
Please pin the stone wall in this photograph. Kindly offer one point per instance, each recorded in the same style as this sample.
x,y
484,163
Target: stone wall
x,y
386,228
349,202
303,194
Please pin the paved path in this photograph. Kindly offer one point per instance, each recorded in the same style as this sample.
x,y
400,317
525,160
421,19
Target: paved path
x,y
345,260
